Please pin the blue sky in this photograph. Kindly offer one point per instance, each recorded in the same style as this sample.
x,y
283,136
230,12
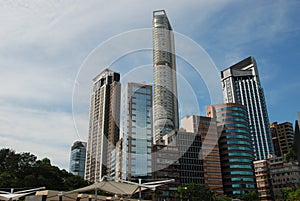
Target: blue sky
x,y
45,46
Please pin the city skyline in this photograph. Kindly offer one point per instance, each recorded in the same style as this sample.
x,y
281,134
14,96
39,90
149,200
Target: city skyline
x,y
41,58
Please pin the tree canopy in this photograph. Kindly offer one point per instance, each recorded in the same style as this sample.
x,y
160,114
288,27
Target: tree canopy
x,y
195,192
23,170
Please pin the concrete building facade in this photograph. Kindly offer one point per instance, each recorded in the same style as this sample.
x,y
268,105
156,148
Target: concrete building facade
x,y
104,124
282,137
263,182
206,129
283,174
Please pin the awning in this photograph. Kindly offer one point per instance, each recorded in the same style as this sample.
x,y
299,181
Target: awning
x,y
120,187
17,195
113,187
12,196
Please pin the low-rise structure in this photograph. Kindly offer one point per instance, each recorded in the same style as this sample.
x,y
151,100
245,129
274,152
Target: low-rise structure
x,y
262,174
283,174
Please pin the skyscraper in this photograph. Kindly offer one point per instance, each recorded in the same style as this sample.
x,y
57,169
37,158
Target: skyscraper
x,y
235,148
103,124
241,85
77,158
165,83
138,136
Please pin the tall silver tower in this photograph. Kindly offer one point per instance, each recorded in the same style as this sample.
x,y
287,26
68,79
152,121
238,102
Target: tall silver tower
x,y
241,85
165,83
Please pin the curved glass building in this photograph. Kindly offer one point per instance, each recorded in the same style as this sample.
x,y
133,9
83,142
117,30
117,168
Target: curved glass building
x,y
165,84
236,152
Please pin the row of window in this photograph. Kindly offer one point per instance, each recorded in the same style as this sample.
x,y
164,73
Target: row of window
x,y
240,154
238,136
231,108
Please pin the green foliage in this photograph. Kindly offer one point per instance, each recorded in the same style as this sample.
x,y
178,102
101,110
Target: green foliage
x,y
250,196
195,192
19,170
290,193
291,155
223,197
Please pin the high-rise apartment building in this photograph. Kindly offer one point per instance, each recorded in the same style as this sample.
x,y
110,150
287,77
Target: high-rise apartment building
x,y
282,137
235,148
297,140
137,132
165,83
241,84
206,129
77,158
103,125
263,182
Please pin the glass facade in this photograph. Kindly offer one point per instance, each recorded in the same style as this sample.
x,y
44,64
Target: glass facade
x,y
137,127
236,152
77,158
164,74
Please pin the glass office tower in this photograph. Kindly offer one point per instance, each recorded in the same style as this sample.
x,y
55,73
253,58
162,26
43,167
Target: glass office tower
x,y
165,83
77,158
241,85
138,135
235,148
104,124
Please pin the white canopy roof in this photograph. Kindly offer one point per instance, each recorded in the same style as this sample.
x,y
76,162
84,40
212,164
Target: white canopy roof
x,y
120,187
111,187
12,196
15,196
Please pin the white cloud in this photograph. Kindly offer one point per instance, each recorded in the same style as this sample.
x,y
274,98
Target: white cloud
x,y
43,45
44,133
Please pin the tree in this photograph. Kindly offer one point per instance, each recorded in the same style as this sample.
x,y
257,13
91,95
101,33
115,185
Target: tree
x,y
250,196
294,195
222,197
290,193
195,192
290,155
285,193
23,169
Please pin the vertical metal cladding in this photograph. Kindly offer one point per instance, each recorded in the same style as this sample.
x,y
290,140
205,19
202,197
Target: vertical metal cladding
x,y
241,85
165,83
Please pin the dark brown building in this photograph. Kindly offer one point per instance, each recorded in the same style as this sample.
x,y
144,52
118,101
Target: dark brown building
x,y
282,137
